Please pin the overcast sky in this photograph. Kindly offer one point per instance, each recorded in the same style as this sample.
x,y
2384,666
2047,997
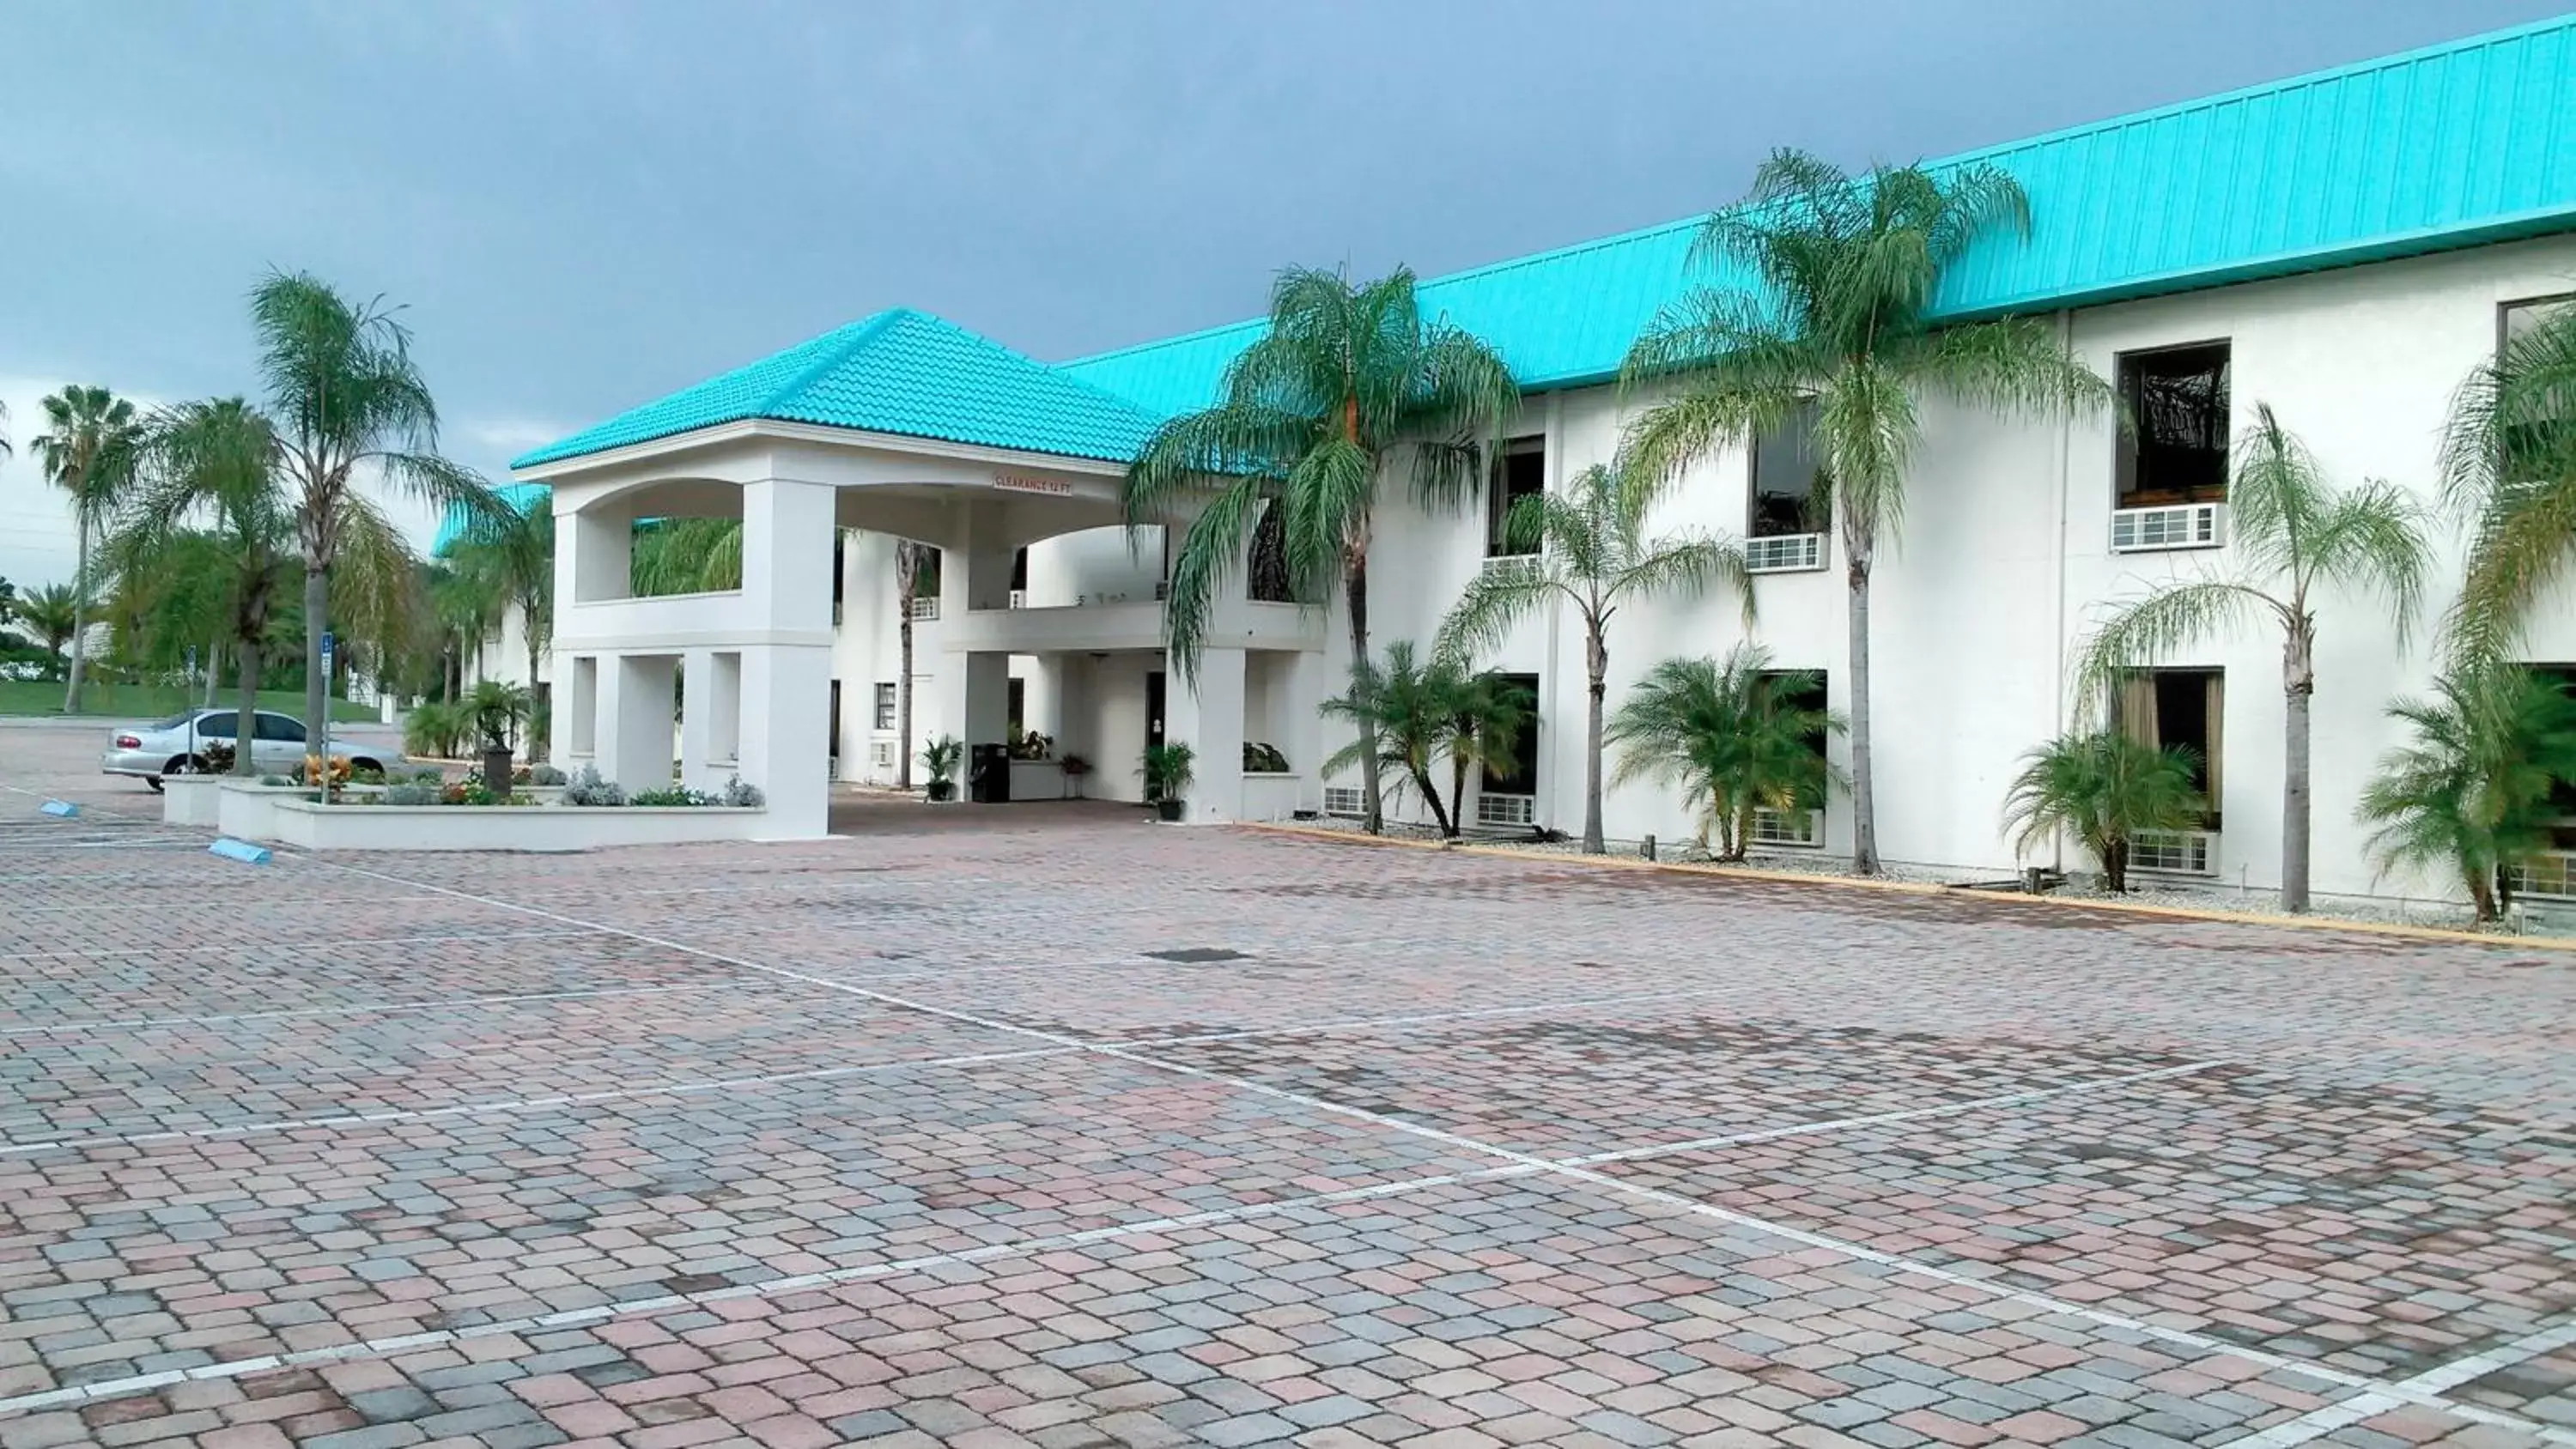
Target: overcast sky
x,y
587,203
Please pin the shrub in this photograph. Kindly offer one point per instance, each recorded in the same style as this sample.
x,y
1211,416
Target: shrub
x,y
433,729
275,780
410,795
738,794
216,758
545,775
494,711
587,788
313,771
370,774
2102,788
2470,793
670,796
1260,758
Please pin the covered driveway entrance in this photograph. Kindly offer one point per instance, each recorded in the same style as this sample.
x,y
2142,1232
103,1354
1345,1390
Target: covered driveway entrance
x,y
902,425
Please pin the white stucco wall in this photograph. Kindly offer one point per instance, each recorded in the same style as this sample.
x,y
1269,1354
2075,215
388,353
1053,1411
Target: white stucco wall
x,y
2003,564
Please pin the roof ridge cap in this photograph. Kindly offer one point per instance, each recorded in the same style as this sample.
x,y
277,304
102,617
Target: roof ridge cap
x,y
862,332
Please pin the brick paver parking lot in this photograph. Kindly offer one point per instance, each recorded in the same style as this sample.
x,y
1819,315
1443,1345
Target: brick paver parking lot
x,y
1046,1126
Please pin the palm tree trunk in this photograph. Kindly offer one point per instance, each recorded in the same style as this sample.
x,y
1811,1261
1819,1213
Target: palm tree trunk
x,y
1431,793
1355,589
1596,662
214,669
80,621
2299,680
1863,787
528,626
244,712
317,621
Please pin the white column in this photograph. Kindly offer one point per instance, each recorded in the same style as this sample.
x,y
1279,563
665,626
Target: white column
x,y
786,691
633,737
697,718
1207,715
1302,717
974,688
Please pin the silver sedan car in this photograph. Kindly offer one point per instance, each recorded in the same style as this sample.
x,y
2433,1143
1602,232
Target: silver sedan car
x,y
176,746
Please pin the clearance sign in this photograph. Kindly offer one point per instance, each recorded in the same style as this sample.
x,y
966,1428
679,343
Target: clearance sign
x,y
1027,483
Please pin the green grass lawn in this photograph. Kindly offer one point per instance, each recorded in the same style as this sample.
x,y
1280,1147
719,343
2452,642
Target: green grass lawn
x,y
149,701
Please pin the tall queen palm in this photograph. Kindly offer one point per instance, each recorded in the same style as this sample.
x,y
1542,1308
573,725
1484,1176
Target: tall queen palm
x,y
2295,538
88,449
1825,313
1344,375
347,400
1595,554
2509,460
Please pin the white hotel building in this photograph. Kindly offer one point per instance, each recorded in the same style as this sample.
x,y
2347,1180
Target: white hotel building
x,y
2343,246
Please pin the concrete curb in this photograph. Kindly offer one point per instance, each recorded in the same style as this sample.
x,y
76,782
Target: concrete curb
x,y
1920,888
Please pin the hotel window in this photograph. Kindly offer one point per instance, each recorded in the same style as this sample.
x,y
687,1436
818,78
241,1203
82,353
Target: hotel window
x,y
1519,471
1520,775
2175,450
2516,320
885,706
1015,713
2166,708
1786,501
840,566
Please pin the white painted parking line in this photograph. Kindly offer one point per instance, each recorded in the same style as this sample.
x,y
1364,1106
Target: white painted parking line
x,y
2197,1342
2317,1423
808,1282
378,1008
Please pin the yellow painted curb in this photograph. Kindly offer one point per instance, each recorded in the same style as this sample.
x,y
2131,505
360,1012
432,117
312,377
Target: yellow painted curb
x,y
1924,888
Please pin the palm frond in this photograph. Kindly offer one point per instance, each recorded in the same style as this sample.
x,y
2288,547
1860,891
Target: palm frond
x,y
2013,366
1491,604
1210,554
2168,619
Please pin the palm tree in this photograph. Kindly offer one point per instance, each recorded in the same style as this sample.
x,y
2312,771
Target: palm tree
x,y
2509,460
1830,321
2103,788
511,564
88,451
1490,711
1344,374
2471,793
1593,552
54,613
1415,713
218,461
346,399
687,556
1730,735
2294,534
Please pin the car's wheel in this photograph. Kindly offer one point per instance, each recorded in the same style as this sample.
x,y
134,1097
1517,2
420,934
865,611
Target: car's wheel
x,y
154,781
185,765
362,765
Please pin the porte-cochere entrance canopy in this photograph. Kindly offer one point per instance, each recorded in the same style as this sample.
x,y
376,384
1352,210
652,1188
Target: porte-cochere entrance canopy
x,y
903,425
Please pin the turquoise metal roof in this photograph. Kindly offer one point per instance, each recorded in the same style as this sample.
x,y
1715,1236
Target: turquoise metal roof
x,y
521,496
2453,145
2456,144
899,371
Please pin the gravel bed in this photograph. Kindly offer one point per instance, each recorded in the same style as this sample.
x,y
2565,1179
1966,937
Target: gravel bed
x,y
2376,910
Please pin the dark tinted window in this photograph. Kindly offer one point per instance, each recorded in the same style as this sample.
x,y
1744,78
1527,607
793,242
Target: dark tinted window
x,y
279,727
1521,776
1521,472
1784,479
2177,450
216,726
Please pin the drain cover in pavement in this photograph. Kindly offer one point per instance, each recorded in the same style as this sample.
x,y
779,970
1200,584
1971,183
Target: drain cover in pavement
x,y
1194,955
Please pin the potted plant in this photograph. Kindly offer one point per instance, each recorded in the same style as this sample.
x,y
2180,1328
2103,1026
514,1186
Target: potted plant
x,y
498,710
1074,767
1168,772
941,757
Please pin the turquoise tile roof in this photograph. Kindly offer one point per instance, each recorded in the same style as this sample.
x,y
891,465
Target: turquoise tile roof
x,y
521,496
2453,145
899,371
